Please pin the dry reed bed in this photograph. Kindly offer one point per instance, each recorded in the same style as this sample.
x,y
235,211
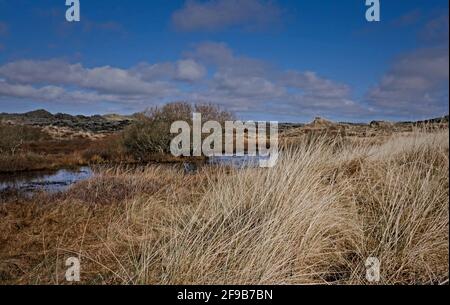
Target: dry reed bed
x,y
314,218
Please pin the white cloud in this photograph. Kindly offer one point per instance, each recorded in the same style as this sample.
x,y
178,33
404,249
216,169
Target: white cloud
x,y
247,85
222,57
105,79
189,70
51,93
56,80
153,72
210,72
417,82
315,85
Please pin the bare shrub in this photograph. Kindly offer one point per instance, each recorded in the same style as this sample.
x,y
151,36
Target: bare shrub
x,y
151,133
12,137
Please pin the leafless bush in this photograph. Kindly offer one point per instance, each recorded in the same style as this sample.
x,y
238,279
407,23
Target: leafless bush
x,y
12,137
151,133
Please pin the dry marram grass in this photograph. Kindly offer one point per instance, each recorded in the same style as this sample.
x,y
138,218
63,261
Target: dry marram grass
x,y
314,218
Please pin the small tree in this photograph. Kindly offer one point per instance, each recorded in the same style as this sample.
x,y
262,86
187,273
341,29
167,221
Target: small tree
x,y
151,133
147,137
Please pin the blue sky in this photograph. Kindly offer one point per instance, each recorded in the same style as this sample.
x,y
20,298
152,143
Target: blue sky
x,y
285,60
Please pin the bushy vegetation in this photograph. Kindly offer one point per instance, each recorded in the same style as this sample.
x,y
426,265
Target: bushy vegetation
x,y
25,148
108,149
147,137
151,133
12,137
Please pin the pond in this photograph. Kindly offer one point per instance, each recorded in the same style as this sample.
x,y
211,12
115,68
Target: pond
x,y
61,180
239,162
49,181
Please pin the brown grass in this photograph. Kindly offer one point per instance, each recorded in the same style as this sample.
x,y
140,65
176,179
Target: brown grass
x,y
47,153
314,218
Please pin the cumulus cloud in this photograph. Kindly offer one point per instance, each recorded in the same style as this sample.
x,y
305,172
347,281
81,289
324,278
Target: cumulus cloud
x,y
50,71
221,14
186,70
189,70
417,82
320,95
253,87
59,81
316,86
52,93
249,85
104,79
210,72
154,72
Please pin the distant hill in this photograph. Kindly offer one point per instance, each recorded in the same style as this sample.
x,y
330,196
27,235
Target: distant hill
x,y
321,123
115,122
95,123
359,129
37,114
443,119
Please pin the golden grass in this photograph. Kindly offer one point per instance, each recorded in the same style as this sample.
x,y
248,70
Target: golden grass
x,y
314,218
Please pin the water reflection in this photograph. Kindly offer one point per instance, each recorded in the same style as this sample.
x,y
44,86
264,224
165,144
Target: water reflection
x,y
52,182
238,162
61,180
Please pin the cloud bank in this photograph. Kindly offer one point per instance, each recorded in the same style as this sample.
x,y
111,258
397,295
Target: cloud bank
x,y
210,72
417,82
414,86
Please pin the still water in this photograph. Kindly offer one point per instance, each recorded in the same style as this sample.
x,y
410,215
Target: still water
x,y
61,180
53,182
239,162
